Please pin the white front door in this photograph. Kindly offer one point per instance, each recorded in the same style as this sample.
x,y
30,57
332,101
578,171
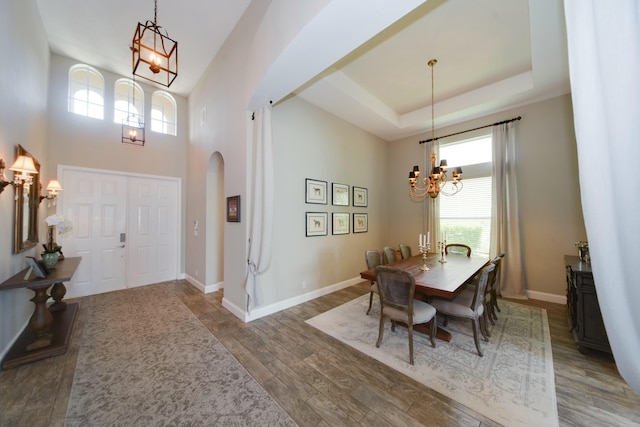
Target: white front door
x,y
153,230
96,205
125,228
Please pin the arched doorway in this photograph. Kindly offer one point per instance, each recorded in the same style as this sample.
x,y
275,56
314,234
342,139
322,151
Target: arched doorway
x,y
214,262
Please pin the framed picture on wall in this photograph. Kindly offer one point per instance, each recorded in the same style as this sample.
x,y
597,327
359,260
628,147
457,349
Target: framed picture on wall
x,y
316,223
340,194
38,269
360,223
340,222
233,209
360,197
315,191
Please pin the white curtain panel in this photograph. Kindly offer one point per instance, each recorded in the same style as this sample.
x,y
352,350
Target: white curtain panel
x,y
604,62
261,202
505,217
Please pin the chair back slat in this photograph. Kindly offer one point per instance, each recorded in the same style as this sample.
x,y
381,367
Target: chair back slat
x,y
405,251
397,287
390,255
373,258
481,285
457,248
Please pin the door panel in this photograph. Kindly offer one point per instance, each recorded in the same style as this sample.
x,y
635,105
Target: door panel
x,y
96,205
153,229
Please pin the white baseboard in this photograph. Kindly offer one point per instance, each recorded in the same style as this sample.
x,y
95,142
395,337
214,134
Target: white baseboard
x,y
543,296
259,312
202,287
13,341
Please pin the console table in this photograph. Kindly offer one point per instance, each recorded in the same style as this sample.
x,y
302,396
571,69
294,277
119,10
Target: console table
x,y
49,328
585,319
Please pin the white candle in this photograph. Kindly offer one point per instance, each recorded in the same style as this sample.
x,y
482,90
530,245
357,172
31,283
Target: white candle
x,y
420,240
428,236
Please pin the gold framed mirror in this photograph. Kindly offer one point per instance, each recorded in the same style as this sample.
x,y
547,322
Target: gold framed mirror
x,y
26,211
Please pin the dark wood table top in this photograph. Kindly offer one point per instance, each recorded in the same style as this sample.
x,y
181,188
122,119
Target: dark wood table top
x,y
442,280
63,272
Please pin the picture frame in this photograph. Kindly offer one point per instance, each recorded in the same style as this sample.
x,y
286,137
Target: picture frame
x,y
38,269
360,197
339,194
233,209
340,222
360,222
316,223
315,191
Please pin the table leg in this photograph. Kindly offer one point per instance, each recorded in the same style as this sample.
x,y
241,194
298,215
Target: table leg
x,y
41,320
58,292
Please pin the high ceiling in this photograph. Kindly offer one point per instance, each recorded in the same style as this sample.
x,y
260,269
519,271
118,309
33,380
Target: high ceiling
x,y
492,55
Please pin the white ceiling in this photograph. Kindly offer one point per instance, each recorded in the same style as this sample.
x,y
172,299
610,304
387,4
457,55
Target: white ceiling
x,y
492,55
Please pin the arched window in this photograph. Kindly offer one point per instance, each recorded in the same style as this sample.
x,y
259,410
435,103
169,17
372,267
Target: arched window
x,y
128,105
86,91
163,113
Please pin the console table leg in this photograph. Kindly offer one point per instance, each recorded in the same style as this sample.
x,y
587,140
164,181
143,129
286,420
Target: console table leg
x,y
58,292
40,320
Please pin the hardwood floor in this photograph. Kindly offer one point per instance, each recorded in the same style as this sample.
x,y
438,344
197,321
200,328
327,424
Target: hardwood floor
x,y
322,382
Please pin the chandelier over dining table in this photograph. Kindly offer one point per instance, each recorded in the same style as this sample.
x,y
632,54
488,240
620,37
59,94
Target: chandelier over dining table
x,y
434,183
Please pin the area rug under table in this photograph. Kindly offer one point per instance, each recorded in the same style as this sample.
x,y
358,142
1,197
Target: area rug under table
x,y
146,360
513,384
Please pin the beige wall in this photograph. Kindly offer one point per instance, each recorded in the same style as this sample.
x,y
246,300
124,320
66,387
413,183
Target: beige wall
x,y
80,141
24,72
548,189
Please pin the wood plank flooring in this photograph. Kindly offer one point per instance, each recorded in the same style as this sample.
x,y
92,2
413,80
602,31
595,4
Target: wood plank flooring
x,y
322,382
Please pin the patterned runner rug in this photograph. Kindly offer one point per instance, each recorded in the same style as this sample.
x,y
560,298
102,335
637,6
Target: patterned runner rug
x,y
146,360
513,384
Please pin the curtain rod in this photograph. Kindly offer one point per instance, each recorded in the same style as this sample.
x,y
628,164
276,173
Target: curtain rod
x,y
253,115
470,130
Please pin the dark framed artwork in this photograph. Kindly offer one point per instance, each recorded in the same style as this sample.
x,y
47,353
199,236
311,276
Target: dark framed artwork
x,y
339,194
360,197
340,222
315,191
360,223
233,209
316,223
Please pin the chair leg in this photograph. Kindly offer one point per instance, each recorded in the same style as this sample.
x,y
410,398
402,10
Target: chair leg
x,y
476,336
445,320
380,331
370,301
410,328
434,331
488,308
486,315
483,328
494,299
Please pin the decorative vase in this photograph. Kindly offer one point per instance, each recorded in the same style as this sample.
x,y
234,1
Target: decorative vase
x,y
50,259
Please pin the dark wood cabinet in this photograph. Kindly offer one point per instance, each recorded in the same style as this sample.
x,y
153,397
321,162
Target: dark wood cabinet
x,y
585,319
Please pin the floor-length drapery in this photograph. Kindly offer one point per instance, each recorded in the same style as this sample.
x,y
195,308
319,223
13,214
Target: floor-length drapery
x,y
505,219
261,202
604,63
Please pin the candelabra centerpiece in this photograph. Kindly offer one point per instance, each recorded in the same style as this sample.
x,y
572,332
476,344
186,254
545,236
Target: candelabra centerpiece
x,y
424,245
441,247
424,250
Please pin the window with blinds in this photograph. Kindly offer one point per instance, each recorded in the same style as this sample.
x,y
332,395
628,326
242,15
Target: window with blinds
x,y
466,216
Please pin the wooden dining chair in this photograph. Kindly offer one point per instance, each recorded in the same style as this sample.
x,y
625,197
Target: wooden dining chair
x,y
397,288
457,248
373,259
390,254
468,304
405,251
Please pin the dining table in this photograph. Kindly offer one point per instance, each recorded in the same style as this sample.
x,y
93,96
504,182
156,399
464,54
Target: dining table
x,y
440,279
